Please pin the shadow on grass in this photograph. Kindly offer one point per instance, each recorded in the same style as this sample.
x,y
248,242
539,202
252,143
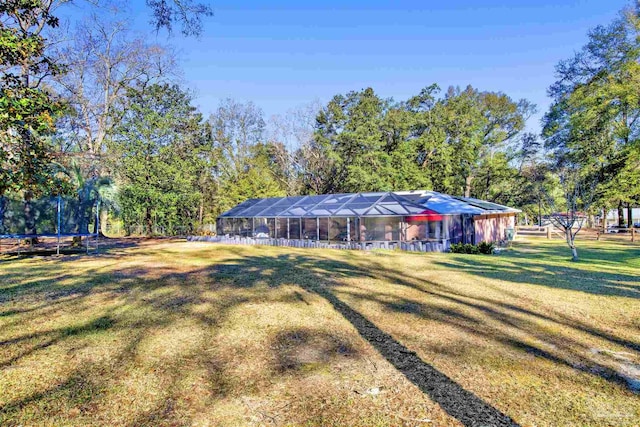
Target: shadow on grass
x,y
48,338
70,252
317,276
303,349
462,404
516,267
299,348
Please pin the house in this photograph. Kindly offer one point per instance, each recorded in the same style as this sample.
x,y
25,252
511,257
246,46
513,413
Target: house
x,y
421,219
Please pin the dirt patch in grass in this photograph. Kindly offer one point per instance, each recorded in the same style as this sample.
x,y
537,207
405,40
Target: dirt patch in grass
x,y
176,333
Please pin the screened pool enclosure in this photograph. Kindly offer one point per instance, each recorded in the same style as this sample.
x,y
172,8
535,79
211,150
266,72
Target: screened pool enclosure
x,y
392,218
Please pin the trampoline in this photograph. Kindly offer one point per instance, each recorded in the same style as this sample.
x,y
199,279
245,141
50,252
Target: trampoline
x,y
54,217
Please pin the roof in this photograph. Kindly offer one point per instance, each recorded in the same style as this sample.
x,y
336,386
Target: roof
x,y
364,204
446,204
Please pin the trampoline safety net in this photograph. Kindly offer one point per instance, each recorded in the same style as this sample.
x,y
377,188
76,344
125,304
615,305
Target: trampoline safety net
x,y
49,216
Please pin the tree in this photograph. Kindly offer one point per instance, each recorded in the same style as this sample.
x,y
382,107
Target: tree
x,y
505,121
235,129
258,180
28,107
241,164
535,184
594,118
403,151
187,13
578,191
363,144
155,153
294,151
316,167
348,132
429,136
463,143
479,126
107,61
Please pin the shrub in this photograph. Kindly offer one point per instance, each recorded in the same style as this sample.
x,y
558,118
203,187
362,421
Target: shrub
x,y
486,247
468,248
464,248
456,248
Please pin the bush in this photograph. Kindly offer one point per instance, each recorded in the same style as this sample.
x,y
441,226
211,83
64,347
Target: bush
x,y
464,248
471,249
468,248
486,248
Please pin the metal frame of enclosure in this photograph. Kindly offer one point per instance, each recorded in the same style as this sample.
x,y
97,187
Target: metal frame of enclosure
x,y
56,217
381,219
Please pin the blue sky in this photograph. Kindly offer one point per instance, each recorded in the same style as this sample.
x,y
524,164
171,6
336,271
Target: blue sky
x,y
281,54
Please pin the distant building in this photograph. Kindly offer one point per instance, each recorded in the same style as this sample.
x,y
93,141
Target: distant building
x,y
612,216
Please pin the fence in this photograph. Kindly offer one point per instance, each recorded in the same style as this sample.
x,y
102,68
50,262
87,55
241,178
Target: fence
x,y
548,231
551,232
51,217
414,246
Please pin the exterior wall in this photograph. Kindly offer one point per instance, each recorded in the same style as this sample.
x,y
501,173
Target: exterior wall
x,y
444,229
492,228
417,230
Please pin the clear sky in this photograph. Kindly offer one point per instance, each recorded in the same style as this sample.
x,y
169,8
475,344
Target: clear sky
x,y
281,54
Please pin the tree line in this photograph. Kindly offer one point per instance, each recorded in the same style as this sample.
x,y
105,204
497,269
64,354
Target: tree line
x,y
104,112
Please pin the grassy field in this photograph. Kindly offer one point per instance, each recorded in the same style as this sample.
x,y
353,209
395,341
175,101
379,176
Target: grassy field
x,y
175,333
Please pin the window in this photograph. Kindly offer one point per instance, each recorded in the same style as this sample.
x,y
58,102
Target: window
x,y
338,230
294,228
380,229
323,229
435,230
309,229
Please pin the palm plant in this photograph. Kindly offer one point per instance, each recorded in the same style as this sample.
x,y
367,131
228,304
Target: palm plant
x,y
88,192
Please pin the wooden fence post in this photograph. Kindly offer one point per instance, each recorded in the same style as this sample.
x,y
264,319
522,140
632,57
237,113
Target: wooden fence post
x,y
633,234
548,231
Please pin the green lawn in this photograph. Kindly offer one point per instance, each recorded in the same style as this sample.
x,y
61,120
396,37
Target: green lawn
x,y
175,333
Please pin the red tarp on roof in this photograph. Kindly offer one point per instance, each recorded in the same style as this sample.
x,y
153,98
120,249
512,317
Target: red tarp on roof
x,y
426,215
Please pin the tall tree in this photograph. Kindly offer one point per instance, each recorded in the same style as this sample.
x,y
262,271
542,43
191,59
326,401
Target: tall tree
x,y
107,60
364,143
463,143
428,133
594,118
155,153
296,155
241,164
258,180
235,128
478,127
187,13
27,106
535,188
